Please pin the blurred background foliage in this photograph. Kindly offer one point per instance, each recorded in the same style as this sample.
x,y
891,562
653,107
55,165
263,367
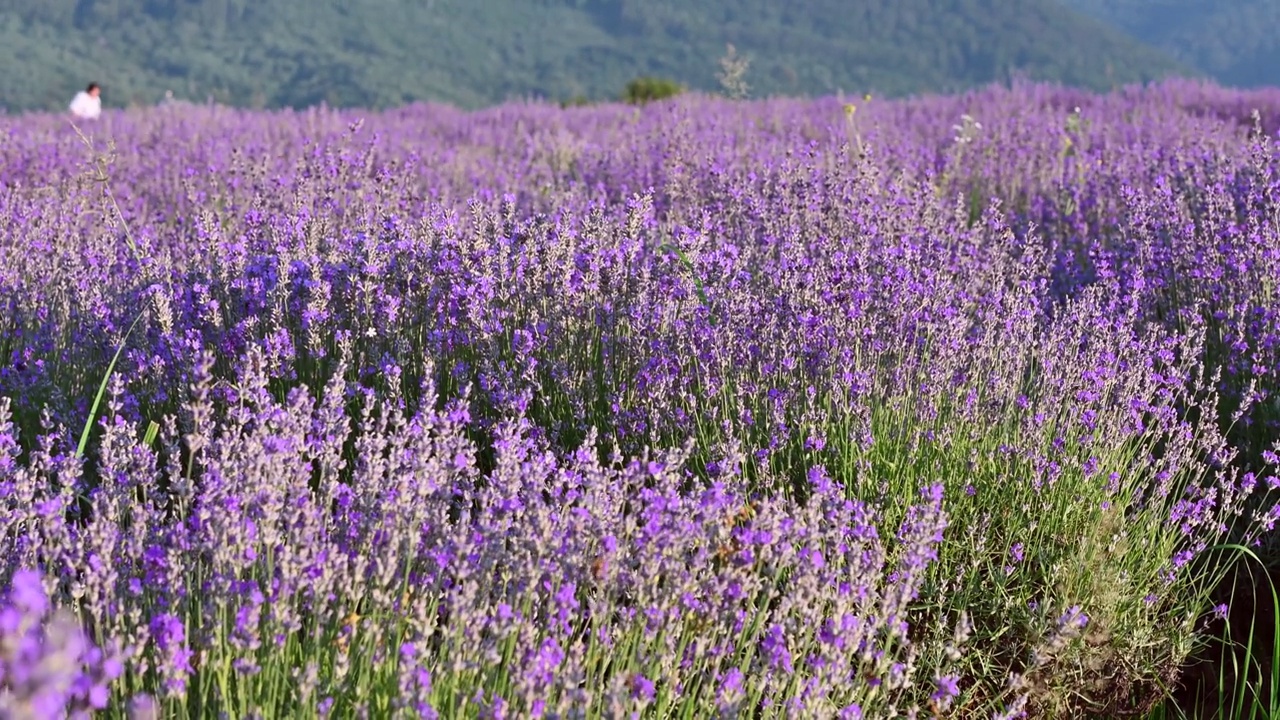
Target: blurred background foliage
x,y
1235,41
379,53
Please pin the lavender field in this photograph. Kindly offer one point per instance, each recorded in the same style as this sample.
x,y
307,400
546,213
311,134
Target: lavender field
x,y
956,407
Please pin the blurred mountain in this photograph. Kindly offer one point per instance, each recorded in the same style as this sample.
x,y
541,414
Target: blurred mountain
x,y
377,53
1237,42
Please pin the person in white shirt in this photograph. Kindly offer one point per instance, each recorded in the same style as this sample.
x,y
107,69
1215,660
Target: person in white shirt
x,y
87,104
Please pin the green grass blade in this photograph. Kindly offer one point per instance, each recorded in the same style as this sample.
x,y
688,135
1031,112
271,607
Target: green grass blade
x,y
153,430
102,389
680,255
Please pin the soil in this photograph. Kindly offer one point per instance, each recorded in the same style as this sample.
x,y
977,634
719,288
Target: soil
x,y
1251,611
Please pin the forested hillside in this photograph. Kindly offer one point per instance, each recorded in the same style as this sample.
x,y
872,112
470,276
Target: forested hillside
x,y
474,52
1235,41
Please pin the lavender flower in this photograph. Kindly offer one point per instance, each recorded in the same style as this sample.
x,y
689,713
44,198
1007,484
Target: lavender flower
x,y
48,667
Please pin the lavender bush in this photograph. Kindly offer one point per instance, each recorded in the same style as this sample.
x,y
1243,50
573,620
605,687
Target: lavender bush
x,y
48,669
943,406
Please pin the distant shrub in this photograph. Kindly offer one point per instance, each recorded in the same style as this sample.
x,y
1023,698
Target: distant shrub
x,y
576,101
647,89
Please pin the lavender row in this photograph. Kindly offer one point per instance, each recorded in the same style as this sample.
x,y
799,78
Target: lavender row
x,y
433,355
